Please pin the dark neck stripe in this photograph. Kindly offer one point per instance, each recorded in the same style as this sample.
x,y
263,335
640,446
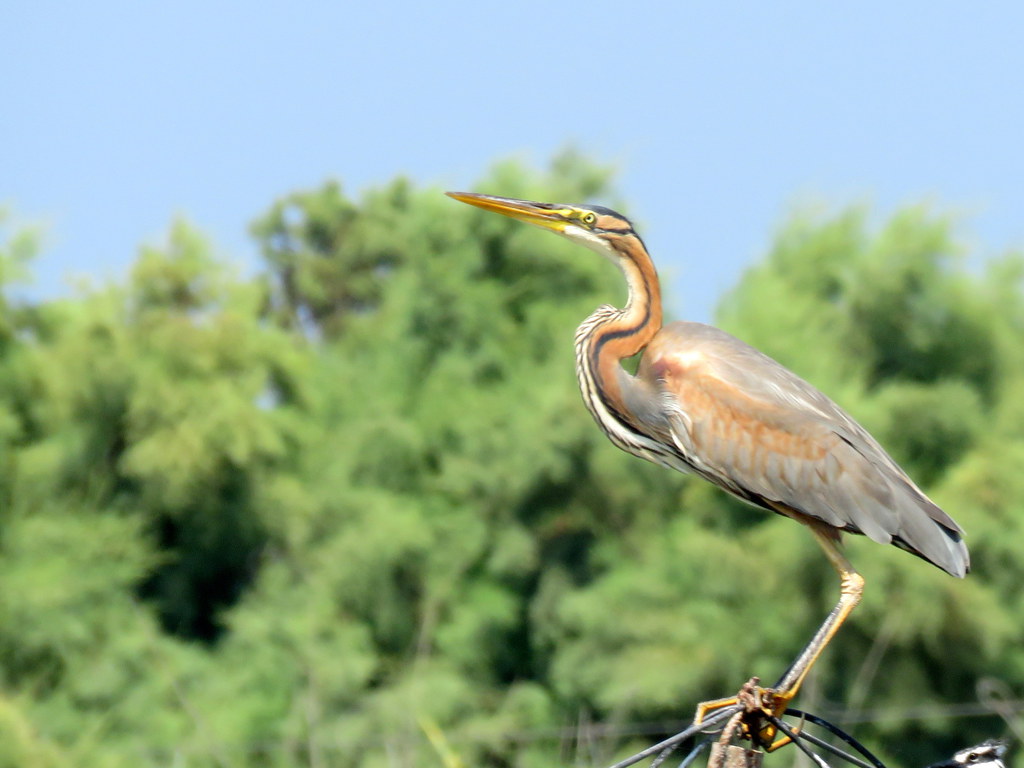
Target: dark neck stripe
x,y
605,331
596,346
620,333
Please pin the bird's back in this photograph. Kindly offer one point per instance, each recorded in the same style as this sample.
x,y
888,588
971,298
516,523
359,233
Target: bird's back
x,y
761,432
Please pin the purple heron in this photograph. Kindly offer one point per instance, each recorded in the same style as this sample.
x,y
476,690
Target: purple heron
x,y
705,403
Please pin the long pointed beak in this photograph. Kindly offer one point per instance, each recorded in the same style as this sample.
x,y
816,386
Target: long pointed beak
x,y
544,215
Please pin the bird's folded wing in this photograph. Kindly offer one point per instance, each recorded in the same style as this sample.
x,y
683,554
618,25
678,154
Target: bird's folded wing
x,y
761,432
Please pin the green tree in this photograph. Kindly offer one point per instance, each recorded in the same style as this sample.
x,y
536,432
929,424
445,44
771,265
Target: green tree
x,y
135,436
316,515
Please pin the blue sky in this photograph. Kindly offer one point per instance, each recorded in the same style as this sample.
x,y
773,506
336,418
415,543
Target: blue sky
x,y
720,117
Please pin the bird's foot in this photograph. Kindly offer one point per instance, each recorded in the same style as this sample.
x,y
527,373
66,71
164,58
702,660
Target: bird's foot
x,y
758,706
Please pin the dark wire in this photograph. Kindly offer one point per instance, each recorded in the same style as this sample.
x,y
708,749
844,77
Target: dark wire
x,y
796,739
695,752
663,749
669,744
836,731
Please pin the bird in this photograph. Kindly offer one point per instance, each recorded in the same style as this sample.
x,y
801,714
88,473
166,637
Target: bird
x,y
705,403
988,754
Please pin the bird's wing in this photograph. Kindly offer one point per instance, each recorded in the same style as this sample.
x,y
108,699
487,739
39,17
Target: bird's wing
x,y
764,434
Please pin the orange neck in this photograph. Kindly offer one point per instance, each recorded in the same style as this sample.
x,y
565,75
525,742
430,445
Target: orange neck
x,y
641,318
609,336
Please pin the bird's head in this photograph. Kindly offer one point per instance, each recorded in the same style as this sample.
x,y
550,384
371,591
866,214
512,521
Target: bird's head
x,y
600,229
988,754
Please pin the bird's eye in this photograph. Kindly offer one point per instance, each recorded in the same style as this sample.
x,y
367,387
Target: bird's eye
x,y
973,757
589,218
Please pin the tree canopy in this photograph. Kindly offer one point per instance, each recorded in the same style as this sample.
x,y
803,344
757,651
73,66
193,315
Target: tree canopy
x,y
350,511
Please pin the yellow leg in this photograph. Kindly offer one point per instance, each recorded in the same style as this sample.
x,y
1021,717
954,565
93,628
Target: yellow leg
x,y
710,706
851,590
774,701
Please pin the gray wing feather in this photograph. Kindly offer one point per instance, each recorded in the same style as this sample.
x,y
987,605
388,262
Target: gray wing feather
x,y
831,469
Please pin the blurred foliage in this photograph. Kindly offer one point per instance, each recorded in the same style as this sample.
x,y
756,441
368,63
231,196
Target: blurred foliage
x,y
350,511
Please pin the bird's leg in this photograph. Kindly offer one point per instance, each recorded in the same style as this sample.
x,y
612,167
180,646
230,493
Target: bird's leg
x,y
851,589
774,701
